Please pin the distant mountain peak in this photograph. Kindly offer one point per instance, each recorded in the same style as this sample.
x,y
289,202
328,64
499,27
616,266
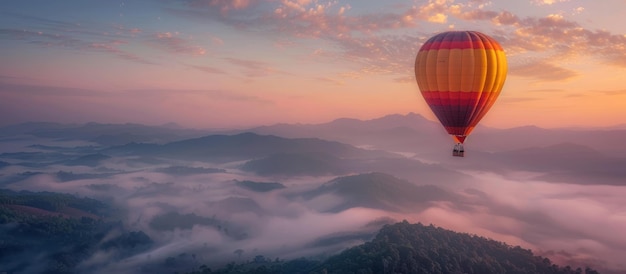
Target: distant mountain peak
x,y
172,125
411,115
564,148
343,120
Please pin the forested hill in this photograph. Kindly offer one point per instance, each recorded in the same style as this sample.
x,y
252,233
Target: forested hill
x,y
414,248
47,232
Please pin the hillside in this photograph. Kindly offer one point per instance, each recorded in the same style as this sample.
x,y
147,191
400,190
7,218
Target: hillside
x,y
104,134
391,132
413,132
242,146
414,248
297,164
53,203
563,162
61,231
380,191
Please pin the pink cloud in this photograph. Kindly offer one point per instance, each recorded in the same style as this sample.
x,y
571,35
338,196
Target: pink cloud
x,y
434,11
542,70
553,34
359,40
172,42
208,69
112,47
123,30
72,42
253,68
329,80
78,37
547,2
223,5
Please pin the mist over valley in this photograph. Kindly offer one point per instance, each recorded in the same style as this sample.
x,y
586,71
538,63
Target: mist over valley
x,y
162,199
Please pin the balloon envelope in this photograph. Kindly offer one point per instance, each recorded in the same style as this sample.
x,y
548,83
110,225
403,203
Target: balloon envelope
x,y
460,74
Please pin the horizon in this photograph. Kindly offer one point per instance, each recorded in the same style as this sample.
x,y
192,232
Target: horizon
x,y
247,127
223,64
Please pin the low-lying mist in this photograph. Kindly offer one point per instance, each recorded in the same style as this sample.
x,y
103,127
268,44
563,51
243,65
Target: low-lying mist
x,y
197,211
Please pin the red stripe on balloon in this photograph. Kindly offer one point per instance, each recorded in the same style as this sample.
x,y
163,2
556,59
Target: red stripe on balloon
x,y
456,109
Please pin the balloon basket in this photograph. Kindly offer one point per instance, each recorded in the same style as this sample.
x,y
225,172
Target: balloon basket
x,y
458,150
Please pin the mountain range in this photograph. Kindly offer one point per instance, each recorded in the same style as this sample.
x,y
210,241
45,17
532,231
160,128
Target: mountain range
x,y
400,131
302,190
412,132
392,132
241,146
342,146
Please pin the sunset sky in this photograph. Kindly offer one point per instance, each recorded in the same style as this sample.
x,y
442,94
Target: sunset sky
x,y
239,63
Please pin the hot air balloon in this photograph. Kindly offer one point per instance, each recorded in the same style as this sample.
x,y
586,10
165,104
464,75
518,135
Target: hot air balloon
x,y
460,75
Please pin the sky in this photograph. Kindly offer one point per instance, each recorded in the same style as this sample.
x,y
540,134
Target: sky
x,y
239,63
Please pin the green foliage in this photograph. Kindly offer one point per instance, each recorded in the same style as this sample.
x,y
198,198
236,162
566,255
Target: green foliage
x,y
51,201
414,248
59,230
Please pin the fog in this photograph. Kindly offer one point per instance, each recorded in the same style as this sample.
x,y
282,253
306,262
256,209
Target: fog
x,y
567,222
280,227
576,224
